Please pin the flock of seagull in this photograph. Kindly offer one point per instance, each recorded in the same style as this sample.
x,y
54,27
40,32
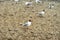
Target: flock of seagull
x,y
41,13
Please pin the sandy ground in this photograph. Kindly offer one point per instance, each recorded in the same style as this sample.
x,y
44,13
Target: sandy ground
x,y
12,14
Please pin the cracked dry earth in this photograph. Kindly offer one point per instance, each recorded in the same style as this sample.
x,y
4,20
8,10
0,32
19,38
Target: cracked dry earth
x,y
12,14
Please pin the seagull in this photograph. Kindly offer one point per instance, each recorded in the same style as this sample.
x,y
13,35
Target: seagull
x,y
41,13
50,6
16,0
27,24
38,1
28,3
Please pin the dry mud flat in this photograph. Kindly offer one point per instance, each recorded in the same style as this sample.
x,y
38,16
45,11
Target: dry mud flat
x,y
12,14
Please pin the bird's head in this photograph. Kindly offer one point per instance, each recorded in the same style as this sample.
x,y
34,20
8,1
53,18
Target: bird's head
x,y
43,10
29,20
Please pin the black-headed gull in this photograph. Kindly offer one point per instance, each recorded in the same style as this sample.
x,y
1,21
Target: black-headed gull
x,y
16,0
41,13
28,23
28,3
51,5
38,1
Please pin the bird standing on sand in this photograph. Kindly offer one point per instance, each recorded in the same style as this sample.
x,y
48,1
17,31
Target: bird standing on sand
x,y
41,14
50,6
28,23
38,1
16,0
28,3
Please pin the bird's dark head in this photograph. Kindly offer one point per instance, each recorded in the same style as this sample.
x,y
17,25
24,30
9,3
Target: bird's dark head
x,y
44,10
29,20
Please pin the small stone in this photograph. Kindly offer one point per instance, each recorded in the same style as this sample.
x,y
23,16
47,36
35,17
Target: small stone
x,y
31,32
10,14
9,30
9,38
30,17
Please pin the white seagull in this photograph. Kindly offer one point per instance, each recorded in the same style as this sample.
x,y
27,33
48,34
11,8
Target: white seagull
x,y
51,5
41,13
38,1
28,3
16,0
28,23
